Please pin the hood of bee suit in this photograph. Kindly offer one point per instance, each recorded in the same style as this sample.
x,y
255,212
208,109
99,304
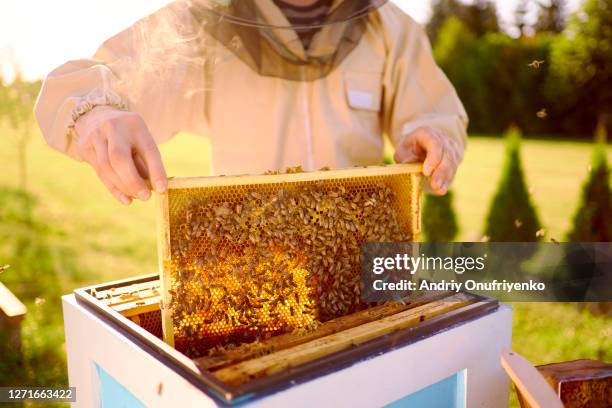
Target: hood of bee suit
x,y
260,34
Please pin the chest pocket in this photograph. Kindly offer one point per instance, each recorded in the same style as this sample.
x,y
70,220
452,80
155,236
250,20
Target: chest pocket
x,y
363,92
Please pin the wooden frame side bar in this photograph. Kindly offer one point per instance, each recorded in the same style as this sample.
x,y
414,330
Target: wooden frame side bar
x,y
163,253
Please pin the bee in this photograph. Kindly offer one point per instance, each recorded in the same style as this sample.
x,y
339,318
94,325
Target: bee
x,y
535,64
542,114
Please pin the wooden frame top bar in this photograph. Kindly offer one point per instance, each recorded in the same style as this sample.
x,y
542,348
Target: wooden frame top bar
x,y
224,181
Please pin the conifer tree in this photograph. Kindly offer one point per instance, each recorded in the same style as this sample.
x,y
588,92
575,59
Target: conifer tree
x,y
593,218
512,216
439,220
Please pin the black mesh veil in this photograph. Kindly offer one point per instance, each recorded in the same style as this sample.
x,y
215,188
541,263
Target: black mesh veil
x,y
258,33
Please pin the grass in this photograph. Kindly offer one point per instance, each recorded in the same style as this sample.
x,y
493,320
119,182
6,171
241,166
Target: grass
x,y
107,241
555,171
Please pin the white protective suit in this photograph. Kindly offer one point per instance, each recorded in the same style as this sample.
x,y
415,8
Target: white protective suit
x,y
388,84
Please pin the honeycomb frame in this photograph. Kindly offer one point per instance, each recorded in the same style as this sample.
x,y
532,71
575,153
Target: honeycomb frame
x,y
403,179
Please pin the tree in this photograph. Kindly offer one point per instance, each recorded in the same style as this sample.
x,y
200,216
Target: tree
x,y
3,99
17,100
592,223
479,18
512,216
581,68
493,71
593,218
520,17
439,220
441,11
551,16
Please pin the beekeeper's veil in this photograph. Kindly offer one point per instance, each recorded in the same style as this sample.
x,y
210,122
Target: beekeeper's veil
x,y
259,33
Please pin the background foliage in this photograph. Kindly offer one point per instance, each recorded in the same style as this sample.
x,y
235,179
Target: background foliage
x,y
439,221
492,73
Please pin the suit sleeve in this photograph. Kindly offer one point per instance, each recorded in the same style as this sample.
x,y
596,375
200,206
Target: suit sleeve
x,y
152,68
417,92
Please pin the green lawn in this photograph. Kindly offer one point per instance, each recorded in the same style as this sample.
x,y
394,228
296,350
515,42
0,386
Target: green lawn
x,y
108,241
555,171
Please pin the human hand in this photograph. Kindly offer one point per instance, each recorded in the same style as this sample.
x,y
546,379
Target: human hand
x,y
441,155
122,152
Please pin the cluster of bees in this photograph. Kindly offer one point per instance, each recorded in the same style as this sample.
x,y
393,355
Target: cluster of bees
x,y
255,261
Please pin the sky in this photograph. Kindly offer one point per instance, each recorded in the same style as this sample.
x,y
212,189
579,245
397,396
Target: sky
x,y
38,36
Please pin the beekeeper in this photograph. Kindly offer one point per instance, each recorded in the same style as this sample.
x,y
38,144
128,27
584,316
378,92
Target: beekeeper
x,y
271,83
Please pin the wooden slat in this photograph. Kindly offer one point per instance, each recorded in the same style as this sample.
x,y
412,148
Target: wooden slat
x,y
580,382
222,181
163,253
288,340
295,356
134,301
146,308
416,205
139,307
124,302
532,385
133,288
10,305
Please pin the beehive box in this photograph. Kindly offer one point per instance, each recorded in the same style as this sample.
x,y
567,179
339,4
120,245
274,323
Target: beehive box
x,y
252,370
243,258
578,383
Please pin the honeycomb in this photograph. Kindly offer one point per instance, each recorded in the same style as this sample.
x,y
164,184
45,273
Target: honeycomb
x,y
248,260
150,321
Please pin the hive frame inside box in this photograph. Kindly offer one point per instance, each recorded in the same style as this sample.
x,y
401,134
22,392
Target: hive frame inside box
x,y
231,394
163,212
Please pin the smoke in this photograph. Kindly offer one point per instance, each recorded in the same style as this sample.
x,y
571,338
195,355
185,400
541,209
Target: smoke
x,y
162,53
